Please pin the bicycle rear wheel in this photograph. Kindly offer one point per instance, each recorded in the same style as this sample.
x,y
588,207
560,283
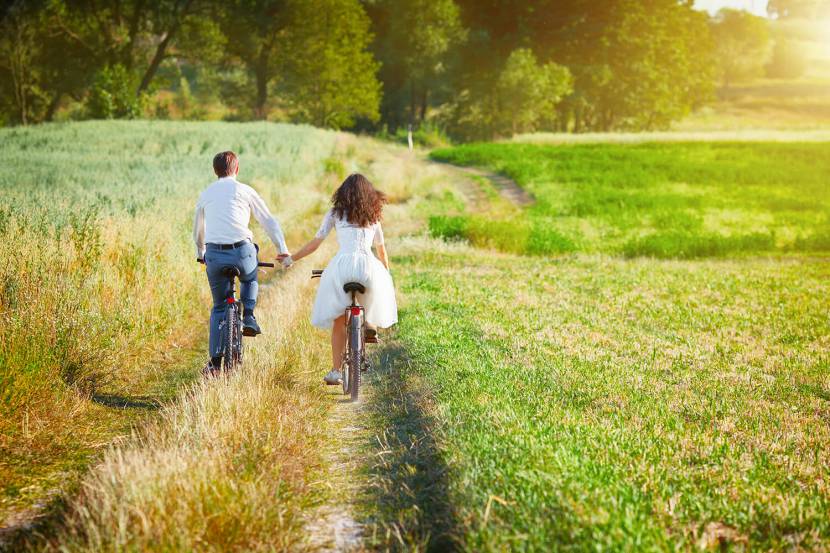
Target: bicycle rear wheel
x,y
344,370
232,338
355,355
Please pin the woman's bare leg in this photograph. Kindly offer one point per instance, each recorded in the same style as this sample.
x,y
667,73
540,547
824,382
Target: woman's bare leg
x,y
338,341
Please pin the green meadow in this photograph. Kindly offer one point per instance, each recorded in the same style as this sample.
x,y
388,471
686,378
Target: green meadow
x,y
636,361
663,200
589,402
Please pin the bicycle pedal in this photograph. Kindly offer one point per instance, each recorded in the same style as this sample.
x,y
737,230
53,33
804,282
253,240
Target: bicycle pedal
x,y
249,332
371,340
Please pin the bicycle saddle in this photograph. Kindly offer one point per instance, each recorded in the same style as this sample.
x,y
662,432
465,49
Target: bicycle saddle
x,y
350,287
230,271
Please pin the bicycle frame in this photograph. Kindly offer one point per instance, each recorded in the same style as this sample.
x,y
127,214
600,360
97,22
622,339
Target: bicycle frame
x,y
354,353
231,326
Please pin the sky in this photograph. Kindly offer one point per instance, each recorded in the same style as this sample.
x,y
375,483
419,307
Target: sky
x,y
758,7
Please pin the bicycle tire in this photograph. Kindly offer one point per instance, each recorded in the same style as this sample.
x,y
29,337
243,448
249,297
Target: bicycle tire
x,y
355,355
344,370
238,337
231,338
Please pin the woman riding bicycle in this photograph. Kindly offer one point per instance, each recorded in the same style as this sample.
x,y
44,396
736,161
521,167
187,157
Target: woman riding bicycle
x,y
355,214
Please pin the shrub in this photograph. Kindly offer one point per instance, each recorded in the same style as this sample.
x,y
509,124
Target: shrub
x,y
113,95
687,245
522,236
449,226
427,135
819,241
545,240
334,166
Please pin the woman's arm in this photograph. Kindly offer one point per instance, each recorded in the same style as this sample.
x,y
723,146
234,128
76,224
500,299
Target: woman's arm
x,y
308,249
311,247
384,258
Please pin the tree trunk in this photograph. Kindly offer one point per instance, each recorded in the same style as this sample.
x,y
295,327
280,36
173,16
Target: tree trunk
x,y
261,72
135,20
154,65
53,106
161,50
411,103
18,70
423,111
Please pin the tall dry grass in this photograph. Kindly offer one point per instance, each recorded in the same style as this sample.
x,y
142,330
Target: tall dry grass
x,y
99,291
223,468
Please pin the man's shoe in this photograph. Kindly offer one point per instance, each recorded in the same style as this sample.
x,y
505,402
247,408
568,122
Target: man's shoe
x,y
211,370
333,378
249,326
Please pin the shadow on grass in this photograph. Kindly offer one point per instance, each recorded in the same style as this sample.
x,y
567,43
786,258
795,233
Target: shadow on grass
x,y
407,492
30,534
118,401
33,527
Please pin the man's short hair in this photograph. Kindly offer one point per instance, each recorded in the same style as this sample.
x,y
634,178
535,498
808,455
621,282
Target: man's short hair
x,y
225,164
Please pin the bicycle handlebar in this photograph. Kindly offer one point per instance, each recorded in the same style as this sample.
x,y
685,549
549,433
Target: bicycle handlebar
x,y
259,263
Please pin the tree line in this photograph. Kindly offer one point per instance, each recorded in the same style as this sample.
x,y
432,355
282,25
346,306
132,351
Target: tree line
x,y
476,68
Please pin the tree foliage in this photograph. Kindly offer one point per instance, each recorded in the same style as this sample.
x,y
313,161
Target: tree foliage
x,y
807,9
483,67
524,96
788,60
252,29
741,44
330,76
415,42
636,64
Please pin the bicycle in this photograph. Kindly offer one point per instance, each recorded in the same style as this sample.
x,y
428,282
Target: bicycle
x,y
354,355
231,326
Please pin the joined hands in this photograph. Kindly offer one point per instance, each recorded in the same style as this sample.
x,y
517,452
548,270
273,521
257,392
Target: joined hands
x,y
285,260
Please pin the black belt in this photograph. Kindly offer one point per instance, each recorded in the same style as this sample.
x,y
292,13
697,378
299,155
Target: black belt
x,y
229,246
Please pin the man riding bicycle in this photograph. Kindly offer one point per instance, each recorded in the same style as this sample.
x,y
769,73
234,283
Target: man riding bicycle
x,y
222,237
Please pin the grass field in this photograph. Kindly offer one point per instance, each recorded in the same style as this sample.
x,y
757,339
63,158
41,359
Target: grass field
x,y
666,200
627,393
597,403
608,397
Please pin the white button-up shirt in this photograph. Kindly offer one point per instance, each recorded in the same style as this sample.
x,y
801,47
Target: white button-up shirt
x,y
223,212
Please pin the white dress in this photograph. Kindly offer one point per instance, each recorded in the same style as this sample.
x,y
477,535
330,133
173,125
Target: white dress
x,y
355,262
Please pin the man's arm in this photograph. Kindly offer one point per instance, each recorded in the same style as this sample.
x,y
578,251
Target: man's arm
x,y
268,222
199,231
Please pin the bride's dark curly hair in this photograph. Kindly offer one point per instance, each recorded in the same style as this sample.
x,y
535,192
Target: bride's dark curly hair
x,y
358,201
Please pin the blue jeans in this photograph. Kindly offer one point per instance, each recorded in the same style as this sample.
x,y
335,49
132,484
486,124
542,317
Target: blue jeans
x,y
245,259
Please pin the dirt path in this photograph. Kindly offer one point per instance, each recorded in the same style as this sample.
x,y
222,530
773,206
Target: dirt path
x,y
332,526
507,187
382,480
